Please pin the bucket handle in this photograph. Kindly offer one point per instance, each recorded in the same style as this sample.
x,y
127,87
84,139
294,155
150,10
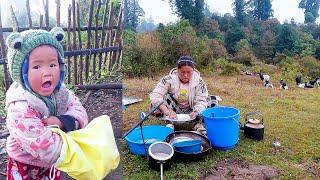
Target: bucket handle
x,y
256,113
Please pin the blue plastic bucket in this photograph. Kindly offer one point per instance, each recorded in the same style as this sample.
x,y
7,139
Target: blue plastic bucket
x,y
151,134
222,125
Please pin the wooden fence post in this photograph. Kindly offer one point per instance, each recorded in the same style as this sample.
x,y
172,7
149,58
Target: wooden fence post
x,y
104,22
74,38
80,43
3,52
58,12
96,38
68,47
117,40
15,24
89,40
29,14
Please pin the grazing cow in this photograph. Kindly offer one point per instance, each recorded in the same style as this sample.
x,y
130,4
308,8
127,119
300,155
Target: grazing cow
x,y
264,77
298,80
283,85
307,85
315,82
267,84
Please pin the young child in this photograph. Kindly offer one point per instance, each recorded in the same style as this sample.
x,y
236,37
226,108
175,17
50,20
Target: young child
x,y
37,99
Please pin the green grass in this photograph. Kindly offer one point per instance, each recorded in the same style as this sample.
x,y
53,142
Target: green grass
x,y
291,117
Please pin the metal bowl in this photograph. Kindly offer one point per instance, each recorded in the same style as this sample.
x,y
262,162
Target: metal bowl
x,y
182,156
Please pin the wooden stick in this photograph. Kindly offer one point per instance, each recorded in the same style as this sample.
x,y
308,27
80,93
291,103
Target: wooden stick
x,y
90,51
75,65
80,43
58,12
3,52
100,86
85,99
68,43
29,14
88,40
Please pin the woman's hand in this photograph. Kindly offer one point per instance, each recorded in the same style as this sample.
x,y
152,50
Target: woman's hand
x,y
171,114
193,115
52,120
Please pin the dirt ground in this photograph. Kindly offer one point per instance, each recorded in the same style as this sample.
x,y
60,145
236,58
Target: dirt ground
x,y
237,169
98,103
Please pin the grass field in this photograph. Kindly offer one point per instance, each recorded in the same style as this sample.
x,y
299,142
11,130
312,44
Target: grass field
x,y
291,117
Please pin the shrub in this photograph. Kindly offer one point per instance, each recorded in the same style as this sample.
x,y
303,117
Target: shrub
x,y
225,67
311,66
290,68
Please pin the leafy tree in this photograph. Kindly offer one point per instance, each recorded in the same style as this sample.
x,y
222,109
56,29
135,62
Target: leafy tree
x,y
191,10
239,10
311,10
232,36
132,14
261,9
146,25
286,39
206,10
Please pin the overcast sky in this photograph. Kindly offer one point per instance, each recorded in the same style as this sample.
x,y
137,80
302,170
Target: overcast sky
x,y
160,11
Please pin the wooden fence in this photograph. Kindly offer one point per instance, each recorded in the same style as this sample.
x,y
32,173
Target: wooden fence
x,y
89,50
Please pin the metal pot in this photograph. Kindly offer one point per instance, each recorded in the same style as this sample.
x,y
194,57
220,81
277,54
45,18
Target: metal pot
x,y
192,156
253,127
160,154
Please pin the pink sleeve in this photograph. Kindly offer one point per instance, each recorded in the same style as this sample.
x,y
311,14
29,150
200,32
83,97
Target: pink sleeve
x,y
76,110
26,127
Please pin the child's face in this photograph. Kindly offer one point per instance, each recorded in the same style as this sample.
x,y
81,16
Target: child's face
x,y
44,70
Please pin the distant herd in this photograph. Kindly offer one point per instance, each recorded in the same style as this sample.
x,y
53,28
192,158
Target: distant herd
x,y
283,85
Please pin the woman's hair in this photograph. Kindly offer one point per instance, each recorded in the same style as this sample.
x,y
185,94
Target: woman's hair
x,y
185,61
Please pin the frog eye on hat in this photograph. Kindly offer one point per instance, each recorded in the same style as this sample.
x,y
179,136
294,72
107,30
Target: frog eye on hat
x,y
14,40
58,33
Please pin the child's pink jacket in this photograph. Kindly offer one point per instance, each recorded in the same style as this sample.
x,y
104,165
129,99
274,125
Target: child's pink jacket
x,y
31,142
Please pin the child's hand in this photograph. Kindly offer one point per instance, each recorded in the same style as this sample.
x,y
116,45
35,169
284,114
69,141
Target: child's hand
x,y
52,120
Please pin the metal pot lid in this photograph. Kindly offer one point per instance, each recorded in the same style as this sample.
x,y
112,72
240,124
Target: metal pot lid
x,y
254,121
255,126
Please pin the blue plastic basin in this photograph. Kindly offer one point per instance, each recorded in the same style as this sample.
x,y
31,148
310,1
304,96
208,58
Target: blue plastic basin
x,y
188,146
151,134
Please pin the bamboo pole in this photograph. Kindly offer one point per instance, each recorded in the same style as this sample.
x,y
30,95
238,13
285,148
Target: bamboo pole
x,y
74,38
29,14
68,44
58,12
80,43
3,52
89,40
96,38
